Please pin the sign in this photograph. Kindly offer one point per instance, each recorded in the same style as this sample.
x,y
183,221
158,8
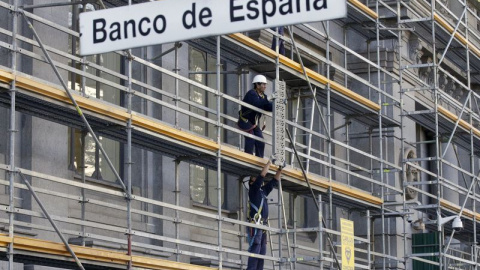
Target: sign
x,y
173,20
348,252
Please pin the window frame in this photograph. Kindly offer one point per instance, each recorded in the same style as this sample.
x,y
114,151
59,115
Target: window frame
x,y
208,131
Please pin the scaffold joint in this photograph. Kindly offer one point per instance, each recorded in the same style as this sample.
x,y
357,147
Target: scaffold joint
x,y
82,200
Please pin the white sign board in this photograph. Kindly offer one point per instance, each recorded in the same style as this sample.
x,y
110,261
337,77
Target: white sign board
x,y
176,20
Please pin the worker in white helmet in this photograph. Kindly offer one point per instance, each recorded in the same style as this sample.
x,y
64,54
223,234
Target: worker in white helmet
x,y
249,119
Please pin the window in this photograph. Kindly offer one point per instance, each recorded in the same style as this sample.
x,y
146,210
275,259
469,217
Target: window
x,y
96,166
203,181
203,186
295,209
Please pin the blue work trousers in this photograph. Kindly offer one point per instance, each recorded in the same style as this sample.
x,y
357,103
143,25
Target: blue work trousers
x,y
251,143
259,246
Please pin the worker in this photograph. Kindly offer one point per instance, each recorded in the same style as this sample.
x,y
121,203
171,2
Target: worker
x,y
281,45
249,119
258,214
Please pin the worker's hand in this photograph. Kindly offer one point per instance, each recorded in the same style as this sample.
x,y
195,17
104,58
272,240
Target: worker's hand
x,y
266,168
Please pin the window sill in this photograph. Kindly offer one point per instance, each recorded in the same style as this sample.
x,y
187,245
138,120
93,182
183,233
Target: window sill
x,y
98,182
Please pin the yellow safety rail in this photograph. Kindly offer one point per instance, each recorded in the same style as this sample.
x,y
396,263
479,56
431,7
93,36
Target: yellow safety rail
x,y
118,113
461,123
457,35
364,8
456,208
94,254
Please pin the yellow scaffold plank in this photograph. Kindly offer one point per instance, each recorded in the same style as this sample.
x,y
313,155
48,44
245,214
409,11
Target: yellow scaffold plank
x,y
456,208
457,35
297,174
152,263
310,73
364,8
461,123
175,133
94,254
34,86
117,113
5,76
337,187
5,240
54,248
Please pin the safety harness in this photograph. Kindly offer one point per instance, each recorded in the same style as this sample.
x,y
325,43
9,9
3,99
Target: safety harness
x,y
241,118
257,218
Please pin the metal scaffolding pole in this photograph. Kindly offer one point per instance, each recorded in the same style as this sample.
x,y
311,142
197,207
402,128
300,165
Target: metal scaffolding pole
x,y
294,241
472,147
12,131
282,215
129,155
84,135
239,107
437,133
369,245
320,231
83,200
219,157
403,180
241,229
177,70
328,132
177,203
380,138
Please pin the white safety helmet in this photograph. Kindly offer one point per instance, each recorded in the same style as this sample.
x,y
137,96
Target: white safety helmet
x,y
259,79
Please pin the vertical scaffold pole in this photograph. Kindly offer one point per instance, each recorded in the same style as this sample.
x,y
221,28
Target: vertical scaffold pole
x,y
177,203
129,155
437,134
472,148
12,131
402,136
294,246
380,136
239,92
328,131
320,231
369,245
83,200
84,136
177,70
241,217
219,158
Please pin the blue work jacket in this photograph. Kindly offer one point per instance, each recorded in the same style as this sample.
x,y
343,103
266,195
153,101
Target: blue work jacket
x,y
253,98
255,194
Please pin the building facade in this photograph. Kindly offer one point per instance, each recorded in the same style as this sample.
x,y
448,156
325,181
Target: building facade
x,y
132,159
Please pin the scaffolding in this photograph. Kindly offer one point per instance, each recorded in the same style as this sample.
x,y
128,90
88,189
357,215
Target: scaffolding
x,y
382,128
